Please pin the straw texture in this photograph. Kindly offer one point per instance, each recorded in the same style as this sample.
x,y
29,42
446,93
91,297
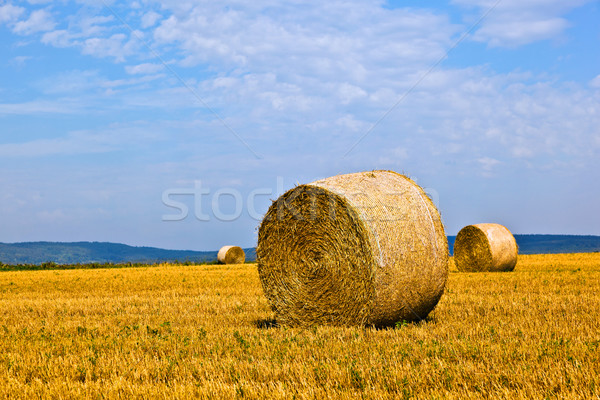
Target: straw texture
x,y
231,255
364,248
485,247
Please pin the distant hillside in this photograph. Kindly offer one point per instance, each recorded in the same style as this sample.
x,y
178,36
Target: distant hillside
x,y
98,252
102,252
551,244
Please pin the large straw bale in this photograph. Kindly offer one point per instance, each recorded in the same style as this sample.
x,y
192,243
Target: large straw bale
x,y
485,247
231,255
360,249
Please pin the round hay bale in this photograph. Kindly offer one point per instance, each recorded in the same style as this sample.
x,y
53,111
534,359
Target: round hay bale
x,y
231,255
367,248
485,247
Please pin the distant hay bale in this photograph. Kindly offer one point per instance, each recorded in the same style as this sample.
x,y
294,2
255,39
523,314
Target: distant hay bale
x,y
367,248
485,247
231,255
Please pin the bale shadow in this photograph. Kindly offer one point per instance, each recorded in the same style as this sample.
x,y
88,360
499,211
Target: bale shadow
x,y
402,324
271,323
266,323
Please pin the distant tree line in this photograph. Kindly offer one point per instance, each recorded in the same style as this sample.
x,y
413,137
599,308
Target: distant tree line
x,y
55,255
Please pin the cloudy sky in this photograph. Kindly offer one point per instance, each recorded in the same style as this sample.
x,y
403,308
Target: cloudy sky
x,y
174,123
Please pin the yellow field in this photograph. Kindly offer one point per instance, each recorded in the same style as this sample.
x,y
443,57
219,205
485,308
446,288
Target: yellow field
x,y
206,331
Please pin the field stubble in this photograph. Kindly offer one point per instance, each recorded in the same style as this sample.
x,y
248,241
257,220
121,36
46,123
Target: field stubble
x,y
207,331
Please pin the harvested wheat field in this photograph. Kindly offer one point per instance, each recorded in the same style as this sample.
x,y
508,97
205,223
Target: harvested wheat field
x,y
207,331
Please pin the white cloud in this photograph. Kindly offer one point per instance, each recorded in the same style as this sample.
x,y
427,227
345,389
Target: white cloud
x,y
487,165
70,82
113,138
473,116
81,28
514,32
41,107
10,13
145,68
20,61
310,73
45,147
38,21
116,46
88,84
58,38
150,19
349,123
400,152
326,40
92,25
513,22
521,151
347,93
595,83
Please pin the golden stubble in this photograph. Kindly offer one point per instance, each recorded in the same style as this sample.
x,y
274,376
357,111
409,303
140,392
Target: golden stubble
x,y
207,331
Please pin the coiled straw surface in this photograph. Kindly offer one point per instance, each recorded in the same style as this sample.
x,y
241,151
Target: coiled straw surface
x,y
485,247
231,255
363,248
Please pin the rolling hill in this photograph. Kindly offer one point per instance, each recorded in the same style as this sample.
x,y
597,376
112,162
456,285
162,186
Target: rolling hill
x,y
98,252
104,252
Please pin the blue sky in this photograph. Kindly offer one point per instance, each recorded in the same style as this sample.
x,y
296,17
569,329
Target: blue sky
x,y
112,111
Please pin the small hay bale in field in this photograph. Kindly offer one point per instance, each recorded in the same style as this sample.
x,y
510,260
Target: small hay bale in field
x,y
367,248
485,247
231,255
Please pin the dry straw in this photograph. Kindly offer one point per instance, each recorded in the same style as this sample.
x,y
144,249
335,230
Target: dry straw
x,y
360,249
485,247
231,255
